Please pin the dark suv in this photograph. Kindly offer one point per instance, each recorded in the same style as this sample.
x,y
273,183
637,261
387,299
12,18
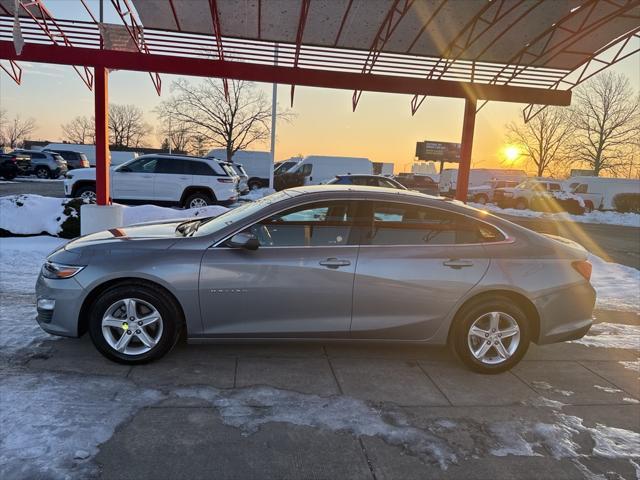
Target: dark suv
x,y
74,159
44,164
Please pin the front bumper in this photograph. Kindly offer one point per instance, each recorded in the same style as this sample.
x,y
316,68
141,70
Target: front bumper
x,y
63,319
565,314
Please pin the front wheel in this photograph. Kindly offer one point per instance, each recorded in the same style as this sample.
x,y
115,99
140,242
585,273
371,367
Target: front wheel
x,y
87,193
490,335
134,324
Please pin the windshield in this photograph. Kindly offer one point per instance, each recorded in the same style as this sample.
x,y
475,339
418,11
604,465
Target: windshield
x,y
212,225
284,167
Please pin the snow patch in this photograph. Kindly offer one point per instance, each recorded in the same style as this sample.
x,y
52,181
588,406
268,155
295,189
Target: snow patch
x,y
597,216
631,365
257,194
607,389
32,214
49,421
617,286
546,386
612,335
630,400
250,408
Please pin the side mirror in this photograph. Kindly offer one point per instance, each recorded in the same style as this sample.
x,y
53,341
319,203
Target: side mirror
x,y
244,240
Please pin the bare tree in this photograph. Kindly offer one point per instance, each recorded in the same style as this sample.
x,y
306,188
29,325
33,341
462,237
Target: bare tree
x,y
3,121
16,129
544,139
234,123
81,129
177,134
606,117
127,127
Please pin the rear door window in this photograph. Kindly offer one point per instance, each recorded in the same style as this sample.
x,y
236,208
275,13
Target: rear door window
x,y
199,168
395,223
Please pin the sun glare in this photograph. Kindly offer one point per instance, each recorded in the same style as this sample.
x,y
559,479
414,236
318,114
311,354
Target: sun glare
x,y
511,153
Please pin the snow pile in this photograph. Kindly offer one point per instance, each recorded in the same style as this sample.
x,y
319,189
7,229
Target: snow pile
x,y
612,335
152,213
617,286
597,216
34,214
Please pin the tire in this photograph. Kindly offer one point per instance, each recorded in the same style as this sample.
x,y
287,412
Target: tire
x,y
521,204
480,314
87,192
588,207
9,176
161,335
42,172
254,184
198,200
481,199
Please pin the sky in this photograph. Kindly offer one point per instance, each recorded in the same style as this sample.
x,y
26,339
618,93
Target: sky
x,y
382,127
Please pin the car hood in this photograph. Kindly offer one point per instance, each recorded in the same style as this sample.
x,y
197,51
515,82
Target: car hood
x,y
151,231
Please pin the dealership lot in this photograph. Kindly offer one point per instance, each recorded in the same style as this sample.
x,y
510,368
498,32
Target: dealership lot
x,y
313,410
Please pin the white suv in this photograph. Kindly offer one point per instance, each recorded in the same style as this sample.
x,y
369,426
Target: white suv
x,y
188,182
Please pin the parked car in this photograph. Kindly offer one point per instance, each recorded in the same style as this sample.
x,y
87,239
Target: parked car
x,y
477,176
601,192
243,177
285,166
366,180
541,194
8,166
257,165
419,183
188,182
485,193
424,273
73,159
116,157
43,164
318,169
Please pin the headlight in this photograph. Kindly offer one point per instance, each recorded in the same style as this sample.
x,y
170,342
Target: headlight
x,y
57,270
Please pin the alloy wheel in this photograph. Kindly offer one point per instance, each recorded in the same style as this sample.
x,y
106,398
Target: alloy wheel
x,y
132,326
198,203
493,338
88,196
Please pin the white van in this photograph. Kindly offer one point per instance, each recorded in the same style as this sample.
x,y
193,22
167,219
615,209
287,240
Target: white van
x,y
117,157
601,191
317,169
257,164
478,176
383,168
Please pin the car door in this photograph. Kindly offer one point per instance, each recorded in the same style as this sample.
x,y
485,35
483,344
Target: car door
x,y
172,177
298,283
414,264
134,180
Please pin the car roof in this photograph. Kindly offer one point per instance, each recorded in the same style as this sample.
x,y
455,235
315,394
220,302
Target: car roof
x,y
177,157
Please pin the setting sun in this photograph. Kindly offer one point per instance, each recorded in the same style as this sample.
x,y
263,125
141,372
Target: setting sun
x,y
511,153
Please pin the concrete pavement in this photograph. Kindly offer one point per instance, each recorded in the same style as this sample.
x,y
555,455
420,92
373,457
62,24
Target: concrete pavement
x,y
328,411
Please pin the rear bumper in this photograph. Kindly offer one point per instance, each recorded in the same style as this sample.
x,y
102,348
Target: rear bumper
x,y
565,314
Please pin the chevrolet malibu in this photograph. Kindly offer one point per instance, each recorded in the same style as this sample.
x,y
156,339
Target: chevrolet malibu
x,y
326,263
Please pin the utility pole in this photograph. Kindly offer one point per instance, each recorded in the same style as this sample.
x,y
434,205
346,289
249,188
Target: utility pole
x,y
274,102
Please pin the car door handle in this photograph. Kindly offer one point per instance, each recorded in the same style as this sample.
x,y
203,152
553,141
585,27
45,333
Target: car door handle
x,y
457,263
184,178
335,263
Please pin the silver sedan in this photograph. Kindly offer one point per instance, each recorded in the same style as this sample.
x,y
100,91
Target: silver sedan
x,y
322,263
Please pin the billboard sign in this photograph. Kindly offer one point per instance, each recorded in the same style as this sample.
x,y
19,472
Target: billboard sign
x,y
438,151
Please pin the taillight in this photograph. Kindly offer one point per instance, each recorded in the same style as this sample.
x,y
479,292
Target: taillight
x,y
584,268
226,180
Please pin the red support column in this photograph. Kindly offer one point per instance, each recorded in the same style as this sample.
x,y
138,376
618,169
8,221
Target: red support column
x,y
468,126
101,95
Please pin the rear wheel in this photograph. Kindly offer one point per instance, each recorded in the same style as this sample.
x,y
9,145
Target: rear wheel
x,y
254,184
588,207
490,335
198,200
9,176
133,324
481,199
42,172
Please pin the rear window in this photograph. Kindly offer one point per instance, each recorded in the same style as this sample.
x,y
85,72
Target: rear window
x,y
199,168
